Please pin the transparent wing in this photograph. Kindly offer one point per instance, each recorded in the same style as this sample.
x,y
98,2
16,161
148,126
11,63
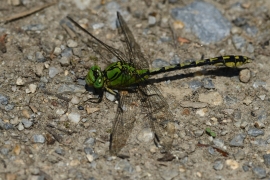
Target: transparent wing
x,y
118,54
160,116
124,121
135,56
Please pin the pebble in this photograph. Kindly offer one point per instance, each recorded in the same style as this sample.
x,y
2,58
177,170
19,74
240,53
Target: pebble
x,y
208,83
218,142
57,50
202,112
250,48
169,173
239,42
232,164
64,61
74,117
32,88
259,172
39,57
53,71
4,151
218,165
38,138
19,81
34,27
20,127
3,99
257,84
110,96
71,43
212,98
209,26
96,26
82,4
123,165
238,140
145,135
26,123
195,84
239,155
152,20
255,132
75,100
67,52
266,160
90,141
77,52
60,151
198,133
245,75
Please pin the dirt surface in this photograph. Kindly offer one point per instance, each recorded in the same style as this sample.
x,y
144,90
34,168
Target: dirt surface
x,y
49,129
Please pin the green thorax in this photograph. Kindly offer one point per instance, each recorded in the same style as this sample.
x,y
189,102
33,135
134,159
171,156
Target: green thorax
x,y
116,75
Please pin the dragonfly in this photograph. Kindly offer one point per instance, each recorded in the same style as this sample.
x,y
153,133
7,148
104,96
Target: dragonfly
x,y
130,76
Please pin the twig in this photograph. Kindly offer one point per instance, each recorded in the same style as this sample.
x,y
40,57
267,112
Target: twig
x,y
27,13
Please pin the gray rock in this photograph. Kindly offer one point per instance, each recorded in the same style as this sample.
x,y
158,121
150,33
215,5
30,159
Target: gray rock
x,y
67,52
218,142
259,172
38,138
110,96
53,71
90,141
34,27
145,135
238,140
209,26
71,43
20,127
4,151
198,133
64,61
39,57
152,20
218,165
195,84
26,123
266,158
5,126
239,42
60,151
239,155
124,165
96,26
208,83
70,89
169,173
257,84
3,99
255,132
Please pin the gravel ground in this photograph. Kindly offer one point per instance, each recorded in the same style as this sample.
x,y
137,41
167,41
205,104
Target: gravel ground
x,y
49,129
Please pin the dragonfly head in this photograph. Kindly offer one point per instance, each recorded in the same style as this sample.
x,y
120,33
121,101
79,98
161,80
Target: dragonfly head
x,y
95,77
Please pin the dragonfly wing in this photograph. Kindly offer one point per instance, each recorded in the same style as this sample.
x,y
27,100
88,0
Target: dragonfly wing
x,y
135,55
161,118
124,120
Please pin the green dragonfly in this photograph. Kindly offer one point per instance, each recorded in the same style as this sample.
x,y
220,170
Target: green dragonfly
x,y
129,76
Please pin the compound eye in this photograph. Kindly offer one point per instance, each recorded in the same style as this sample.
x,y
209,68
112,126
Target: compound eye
x,y
95,77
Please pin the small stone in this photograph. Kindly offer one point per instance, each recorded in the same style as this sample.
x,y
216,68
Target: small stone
x,y
3,99
38,138
159,63
19,81
57,51
145,135
74,117
77,52
39,69
25,114
97,26
169,173
255,132
90,157
218,142
259,172
239,155
250,48
123,165
266,159
232,164
75,100
53,71
64,61
202,112
32,88
110,96
245,75
20,127
26,123
60,151
198,133
91,110
152,20
71,43
17,149
218,165
39,57
90,141
238,140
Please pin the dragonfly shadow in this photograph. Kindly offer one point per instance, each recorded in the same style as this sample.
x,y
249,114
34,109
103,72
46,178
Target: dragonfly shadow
x,y
223,71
